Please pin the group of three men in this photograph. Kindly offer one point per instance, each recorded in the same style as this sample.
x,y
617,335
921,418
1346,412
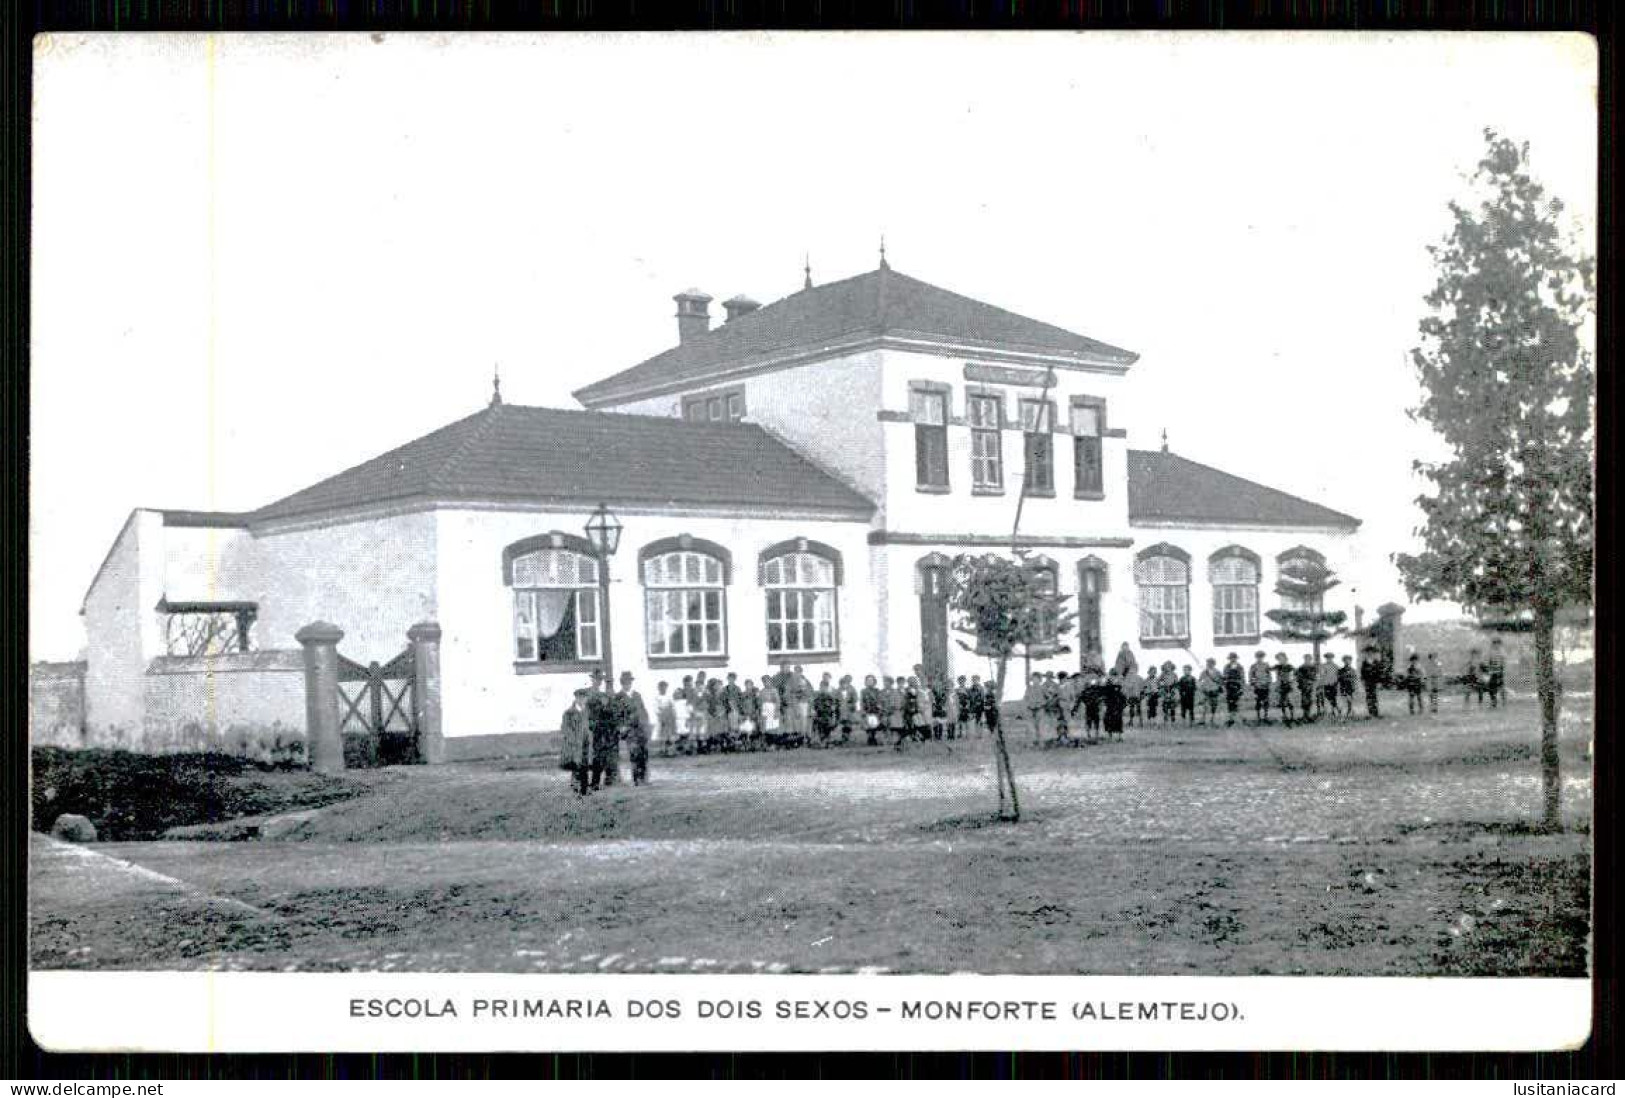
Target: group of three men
x,y
593,728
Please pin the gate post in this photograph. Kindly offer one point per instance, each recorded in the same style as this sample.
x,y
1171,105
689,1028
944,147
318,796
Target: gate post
x,y
324,746
425,638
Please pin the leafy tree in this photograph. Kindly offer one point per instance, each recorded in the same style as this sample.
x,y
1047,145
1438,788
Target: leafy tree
x,y
1303,584
1011,607
1508,383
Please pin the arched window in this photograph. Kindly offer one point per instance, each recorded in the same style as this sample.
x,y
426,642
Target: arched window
x,y
1301,561
801,579
685,603
1233,573
556,614
1163,575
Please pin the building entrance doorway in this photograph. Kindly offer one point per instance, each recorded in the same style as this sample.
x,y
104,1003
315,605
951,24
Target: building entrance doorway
x,y
1091,586
933,577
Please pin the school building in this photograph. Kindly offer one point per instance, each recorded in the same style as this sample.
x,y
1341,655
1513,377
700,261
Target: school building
x,y
789,485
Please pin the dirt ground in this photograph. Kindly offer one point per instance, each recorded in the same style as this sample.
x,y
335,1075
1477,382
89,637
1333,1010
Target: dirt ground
x,y
1397,847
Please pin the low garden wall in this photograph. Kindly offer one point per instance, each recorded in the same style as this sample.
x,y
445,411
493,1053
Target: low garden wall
x,y
248,704
56,703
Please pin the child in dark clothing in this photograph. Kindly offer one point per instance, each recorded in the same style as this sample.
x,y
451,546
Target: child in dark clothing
x,y
1259,676
1414,684
1169,689
1132,687
1235,684
1346,679
826,712
911,709
1092,696
1187,695
874,713
1308,678
1283,687
1113,700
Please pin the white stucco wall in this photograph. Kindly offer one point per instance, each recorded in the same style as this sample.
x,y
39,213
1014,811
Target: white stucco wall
x,y
209,564
121,631
825,410
485,694
373,578
962,511
1340,548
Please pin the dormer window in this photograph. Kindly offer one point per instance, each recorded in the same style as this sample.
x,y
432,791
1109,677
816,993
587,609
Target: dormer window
x,y
722,406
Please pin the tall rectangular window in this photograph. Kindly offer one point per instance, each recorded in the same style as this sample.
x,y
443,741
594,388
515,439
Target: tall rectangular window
x,y
1087,469
1235,597
985,415
929,410
1037,425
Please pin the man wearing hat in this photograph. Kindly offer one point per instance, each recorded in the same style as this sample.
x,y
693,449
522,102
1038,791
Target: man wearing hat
x,y
1258,675
1371,678
575,744
606,743
1235,682
632,724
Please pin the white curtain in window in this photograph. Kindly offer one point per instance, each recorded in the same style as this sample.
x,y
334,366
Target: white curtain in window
x,y
551,603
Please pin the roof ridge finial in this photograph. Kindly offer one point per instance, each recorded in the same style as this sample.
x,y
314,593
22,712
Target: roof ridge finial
x,y
883,264
496,385
1165,440
806,267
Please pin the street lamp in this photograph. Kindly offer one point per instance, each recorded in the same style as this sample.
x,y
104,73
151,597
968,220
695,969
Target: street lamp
x,y
604,534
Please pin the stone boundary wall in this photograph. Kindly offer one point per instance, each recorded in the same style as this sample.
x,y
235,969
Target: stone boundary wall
x,y
242,703
56,704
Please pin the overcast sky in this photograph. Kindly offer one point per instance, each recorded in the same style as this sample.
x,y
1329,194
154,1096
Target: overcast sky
x,y
259,260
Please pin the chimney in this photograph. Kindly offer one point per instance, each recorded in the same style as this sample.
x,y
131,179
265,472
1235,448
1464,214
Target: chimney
x,y
739,305
693,314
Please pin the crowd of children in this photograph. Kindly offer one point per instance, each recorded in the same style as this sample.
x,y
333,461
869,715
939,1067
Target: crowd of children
x,y
1100,702
711,713
1483,677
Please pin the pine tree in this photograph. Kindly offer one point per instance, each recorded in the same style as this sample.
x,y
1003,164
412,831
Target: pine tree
x,y
1303,585
1508,383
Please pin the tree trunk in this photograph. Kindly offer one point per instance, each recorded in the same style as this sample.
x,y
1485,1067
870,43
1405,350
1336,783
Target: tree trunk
x,y
1546,688
1006,775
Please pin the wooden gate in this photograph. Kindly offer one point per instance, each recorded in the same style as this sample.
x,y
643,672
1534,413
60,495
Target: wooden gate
x,y
377,711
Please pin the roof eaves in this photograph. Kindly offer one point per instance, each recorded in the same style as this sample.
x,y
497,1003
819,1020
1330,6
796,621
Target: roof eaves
x,y
1332,520
224,520
788,354
860,510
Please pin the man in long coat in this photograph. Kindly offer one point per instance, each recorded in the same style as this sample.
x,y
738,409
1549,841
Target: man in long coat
x,y
575,743
632,723
1371,678
606,741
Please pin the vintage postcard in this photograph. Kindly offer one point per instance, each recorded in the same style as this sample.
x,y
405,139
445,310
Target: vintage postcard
x,y
812,541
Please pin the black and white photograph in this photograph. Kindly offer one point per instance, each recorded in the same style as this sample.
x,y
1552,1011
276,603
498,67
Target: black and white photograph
x,y
768,507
